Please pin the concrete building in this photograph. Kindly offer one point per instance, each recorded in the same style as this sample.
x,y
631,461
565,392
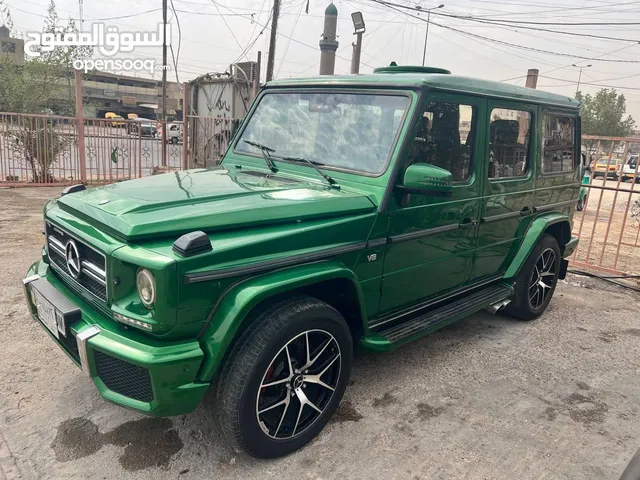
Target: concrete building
x,y
123,94
13,47
328,43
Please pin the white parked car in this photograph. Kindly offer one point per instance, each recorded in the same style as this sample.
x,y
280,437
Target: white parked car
x,y
174,133
628,169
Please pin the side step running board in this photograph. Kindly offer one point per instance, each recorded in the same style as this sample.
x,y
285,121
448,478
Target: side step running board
x,y
451,312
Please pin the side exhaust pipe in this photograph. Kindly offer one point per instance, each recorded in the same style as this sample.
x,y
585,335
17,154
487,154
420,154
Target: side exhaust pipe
x,y
496,307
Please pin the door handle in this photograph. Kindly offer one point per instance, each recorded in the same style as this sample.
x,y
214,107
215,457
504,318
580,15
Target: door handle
x,y
467,223
526,211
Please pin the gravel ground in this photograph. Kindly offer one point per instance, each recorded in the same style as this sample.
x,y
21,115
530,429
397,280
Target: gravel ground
x,y
489,397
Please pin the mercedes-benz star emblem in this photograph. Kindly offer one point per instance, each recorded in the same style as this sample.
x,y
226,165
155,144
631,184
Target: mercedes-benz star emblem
x,y
73,259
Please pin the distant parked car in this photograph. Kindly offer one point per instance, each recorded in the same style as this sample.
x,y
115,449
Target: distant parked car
x,y
142,127
607,167
116,120
174,133
630,169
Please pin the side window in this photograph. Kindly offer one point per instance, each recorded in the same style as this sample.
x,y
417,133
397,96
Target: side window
x,y
509,143
558,144
446,137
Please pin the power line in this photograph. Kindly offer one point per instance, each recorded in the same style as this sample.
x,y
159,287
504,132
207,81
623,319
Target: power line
x,y
500,21
409,7
293,31
509,44
593,84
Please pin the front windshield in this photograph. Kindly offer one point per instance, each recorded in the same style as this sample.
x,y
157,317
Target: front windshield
x,y
352,131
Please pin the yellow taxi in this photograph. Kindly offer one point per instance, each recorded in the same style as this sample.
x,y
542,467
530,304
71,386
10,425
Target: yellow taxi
x,y
605,166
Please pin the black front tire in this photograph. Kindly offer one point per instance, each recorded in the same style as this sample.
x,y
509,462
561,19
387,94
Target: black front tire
x,y
256,361
580,205
526,304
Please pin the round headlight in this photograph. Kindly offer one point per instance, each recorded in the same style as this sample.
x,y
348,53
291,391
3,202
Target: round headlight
x,y
146,284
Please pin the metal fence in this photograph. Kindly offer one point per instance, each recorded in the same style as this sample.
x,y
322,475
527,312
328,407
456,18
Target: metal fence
x,y
209,138
38,150
609,224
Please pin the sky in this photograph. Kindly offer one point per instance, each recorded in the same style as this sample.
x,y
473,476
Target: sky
x,y
216,33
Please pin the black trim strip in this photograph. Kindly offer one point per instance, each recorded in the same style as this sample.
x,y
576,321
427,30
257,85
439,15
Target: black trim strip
x,y
551,206
403,237
433,301
502,216
378,242
271,264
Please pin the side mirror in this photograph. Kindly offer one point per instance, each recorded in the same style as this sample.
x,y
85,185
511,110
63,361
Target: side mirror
x,y
426,179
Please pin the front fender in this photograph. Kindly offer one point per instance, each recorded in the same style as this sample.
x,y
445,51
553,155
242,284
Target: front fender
x,y
536,229
243,296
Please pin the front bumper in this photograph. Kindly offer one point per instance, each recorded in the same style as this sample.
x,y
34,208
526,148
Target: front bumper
x,y
127,367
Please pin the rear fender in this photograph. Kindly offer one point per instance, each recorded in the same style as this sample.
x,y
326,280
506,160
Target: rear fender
x,y
242,297
557,224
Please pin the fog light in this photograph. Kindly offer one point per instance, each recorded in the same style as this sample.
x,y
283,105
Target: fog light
x,y
133,322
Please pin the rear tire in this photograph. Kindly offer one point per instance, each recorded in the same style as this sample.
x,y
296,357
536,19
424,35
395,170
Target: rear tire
x,y
580,205
537,281
284,378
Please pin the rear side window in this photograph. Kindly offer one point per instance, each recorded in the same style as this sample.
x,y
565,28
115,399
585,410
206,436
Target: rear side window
x,y
558,144
508,143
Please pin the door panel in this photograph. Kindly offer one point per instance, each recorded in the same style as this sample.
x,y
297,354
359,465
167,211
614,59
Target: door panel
x,y
429,252
510,186
432,238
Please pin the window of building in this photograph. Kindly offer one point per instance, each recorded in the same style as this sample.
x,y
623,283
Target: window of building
x,y
558,144
509,143
8,47
446,138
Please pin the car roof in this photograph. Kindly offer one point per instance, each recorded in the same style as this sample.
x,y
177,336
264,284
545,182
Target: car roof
x,y
422,78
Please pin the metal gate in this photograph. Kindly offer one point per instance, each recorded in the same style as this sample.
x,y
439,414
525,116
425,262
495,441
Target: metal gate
x,y
609,224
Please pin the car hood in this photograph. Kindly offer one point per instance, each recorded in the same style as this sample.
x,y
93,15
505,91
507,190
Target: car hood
x,y
208,200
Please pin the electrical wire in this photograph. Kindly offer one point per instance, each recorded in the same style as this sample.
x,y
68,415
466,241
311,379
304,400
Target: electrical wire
x,y
610,279
440,14
228,27
501,42
293,31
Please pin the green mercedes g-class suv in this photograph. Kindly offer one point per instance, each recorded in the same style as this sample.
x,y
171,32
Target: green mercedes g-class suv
x,y
349,211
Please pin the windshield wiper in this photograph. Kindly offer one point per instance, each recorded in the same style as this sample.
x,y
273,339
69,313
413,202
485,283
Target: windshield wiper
x,y
313,164
266,153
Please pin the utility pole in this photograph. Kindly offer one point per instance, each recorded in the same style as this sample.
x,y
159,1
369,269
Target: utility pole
x,y
272,41
81,8
580,74
256,80
426,35
358,23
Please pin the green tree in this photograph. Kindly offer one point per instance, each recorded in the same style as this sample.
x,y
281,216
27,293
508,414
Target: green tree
x,y
42,84
605,114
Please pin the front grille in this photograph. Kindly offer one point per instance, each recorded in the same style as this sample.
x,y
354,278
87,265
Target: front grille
x,y
92,276
124,378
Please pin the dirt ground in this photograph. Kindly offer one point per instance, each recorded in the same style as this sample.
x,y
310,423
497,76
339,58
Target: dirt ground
x,y
487,398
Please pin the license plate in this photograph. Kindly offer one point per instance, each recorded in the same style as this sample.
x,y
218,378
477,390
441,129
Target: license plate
x,y
46,312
